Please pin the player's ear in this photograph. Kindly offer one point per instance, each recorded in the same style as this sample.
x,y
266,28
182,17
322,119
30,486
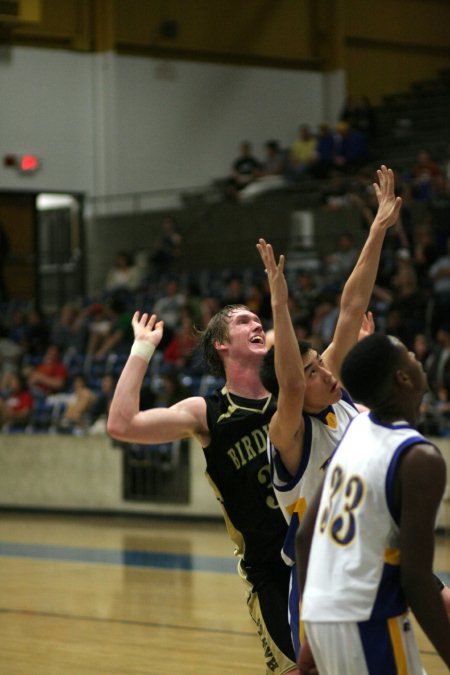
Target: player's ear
x,y
219,346
402,378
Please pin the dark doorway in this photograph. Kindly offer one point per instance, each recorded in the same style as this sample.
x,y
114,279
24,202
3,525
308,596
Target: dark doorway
x,y
45,261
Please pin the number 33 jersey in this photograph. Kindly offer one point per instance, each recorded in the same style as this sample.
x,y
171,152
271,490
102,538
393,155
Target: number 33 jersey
x,y
354,564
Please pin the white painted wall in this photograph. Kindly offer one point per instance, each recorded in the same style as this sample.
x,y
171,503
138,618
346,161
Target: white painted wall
x,y
64,472
46,109
106,124
185,130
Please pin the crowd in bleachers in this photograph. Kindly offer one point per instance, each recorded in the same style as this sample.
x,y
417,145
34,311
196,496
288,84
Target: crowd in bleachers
x,y
57,373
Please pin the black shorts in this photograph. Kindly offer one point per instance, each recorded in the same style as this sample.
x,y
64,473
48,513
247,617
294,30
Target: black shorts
x,y
267,589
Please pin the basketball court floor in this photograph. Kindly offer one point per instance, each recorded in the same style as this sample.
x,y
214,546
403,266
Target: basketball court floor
x,y
82,595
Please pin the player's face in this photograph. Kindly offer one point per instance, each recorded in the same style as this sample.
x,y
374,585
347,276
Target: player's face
x,y
322,388
246,334
415,371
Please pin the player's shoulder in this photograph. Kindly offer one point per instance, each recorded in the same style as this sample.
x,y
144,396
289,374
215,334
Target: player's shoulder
x,y
423,459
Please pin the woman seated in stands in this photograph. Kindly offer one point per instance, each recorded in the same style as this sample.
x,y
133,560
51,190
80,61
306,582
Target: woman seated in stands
x,y
79,405
49,376
16,402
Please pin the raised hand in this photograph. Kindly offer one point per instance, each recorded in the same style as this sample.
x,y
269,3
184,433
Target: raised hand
x,y
275,272
388,204
367,326
147,328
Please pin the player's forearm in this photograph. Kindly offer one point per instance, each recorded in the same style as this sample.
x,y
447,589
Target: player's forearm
x,y
359,286
426,603
288,362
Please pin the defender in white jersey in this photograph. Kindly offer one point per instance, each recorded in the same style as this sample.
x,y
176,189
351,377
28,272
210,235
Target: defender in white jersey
x,y
312,411
365,547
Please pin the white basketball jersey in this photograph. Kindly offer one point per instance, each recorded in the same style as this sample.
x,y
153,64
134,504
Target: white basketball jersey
x,y
322,434
354,563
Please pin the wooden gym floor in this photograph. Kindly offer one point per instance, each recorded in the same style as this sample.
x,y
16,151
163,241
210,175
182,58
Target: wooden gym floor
x,y
115,596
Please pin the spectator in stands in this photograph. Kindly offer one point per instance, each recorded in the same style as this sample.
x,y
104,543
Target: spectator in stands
x,y
339,263
408,298
100,407
438,363
16,402
37,336
245,169
123,278
79,403
425,252
440,198
273,163
119,337
167,248
209,307
336,193
254,297
424,175
436,407
233,292
325,317
171,390
303,154
10,352
350,149
169,306
180,350
422,349
348,112
265,307
270,176
324,152
69,330
439,274
99,324
49,376
16,328
359,114
305,292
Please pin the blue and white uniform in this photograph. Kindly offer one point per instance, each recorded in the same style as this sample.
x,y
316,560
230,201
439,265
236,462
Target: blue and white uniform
x,y
322,434
353,606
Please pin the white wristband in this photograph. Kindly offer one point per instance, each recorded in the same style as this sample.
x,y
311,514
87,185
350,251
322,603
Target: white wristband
x,y
143,349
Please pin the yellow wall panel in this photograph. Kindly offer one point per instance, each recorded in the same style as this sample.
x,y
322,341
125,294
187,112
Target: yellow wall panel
x,y
260,28
416,22
383,47
57,19
378,71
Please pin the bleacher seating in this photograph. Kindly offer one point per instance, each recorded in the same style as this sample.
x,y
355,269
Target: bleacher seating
x,y
407,122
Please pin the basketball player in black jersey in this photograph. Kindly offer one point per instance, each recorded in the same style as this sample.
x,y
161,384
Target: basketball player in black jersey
x,y
231,426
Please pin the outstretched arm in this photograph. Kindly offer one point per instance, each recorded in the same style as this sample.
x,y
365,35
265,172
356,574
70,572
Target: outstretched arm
x,y
159,425
286,425
422,472
359,286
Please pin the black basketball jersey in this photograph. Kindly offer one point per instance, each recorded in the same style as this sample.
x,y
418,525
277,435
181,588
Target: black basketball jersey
x,y
237,467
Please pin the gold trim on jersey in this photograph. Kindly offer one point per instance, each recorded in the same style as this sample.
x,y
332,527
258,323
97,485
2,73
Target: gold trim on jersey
x,y
232,407
331,420
299,506
397,645
392,556
234,534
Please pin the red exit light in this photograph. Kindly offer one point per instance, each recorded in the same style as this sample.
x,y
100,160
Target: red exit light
x,y
29,163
